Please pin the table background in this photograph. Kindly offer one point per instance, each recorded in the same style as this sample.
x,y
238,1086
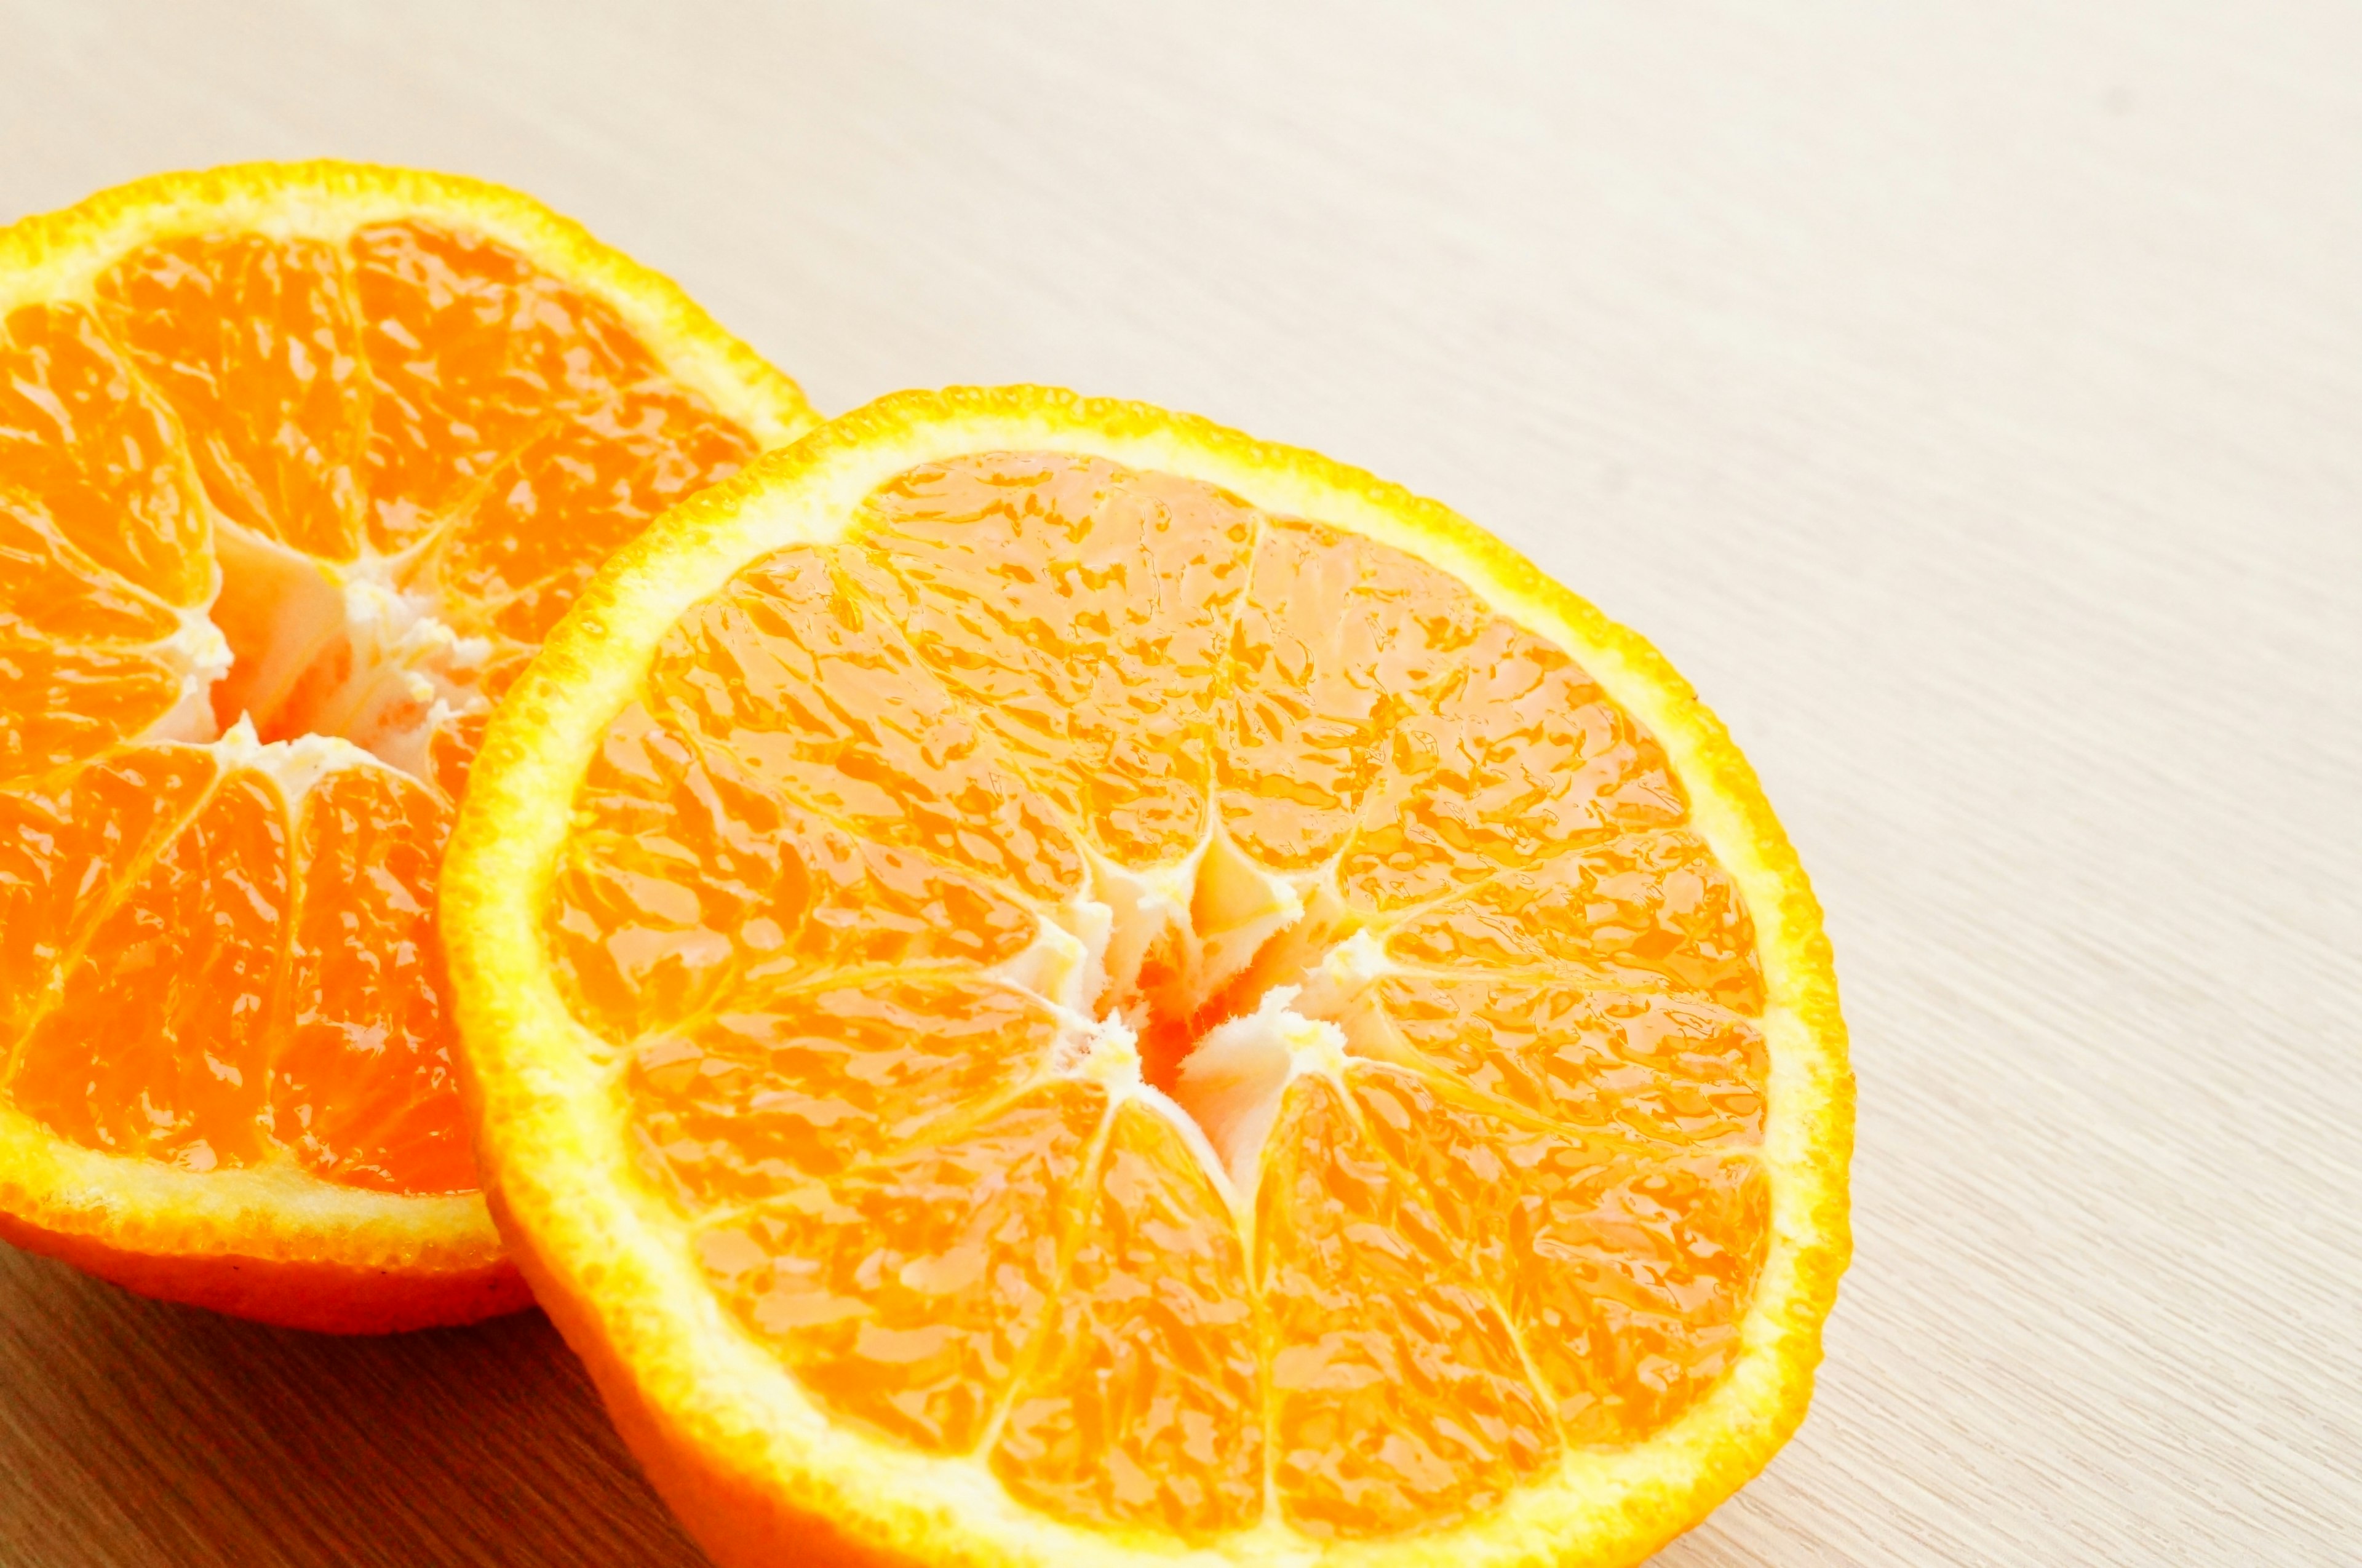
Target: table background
x,y
1967,396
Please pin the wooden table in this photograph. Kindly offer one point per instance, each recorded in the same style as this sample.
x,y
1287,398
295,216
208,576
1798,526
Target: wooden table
x,y
1966,395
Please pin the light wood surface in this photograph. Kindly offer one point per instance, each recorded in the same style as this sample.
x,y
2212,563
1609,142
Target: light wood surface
x,y
1967,396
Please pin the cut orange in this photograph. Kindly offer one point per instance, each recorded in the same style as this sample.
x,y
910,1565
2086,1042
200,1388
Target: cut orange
x,y
297,465
1046,982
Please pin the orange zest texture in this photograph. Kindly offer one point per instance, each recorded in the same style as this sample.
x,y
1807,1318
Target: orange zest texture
x,y
1046,982
298,465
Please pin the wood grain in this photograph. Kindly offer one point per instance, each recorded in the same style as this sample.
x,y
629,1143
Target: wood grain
x,y
1965,394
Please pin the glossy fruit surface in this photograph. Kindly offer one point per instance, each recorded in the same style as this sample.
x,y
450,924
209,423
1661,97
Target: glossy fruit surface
x,y
1045,982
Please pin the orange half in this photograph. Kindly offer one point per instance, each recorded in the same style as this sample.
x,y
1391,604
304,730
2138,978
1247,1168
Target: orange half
x,y
1047,983
298,463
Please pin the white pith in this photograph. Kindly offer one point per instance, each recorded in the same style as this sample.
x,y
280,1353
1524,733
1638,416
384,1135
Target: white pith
x,y
1217,911
202,656
1232,1079
411,673
294,766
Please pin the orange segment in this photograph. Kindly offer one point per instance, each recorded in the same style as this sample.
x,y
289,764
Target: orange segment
x,y
1650,912
67,853
1324,1103
1523,758
1649,1066
904,1293
1625,1273
1400,1398
70,704
810,691
581,486
810,1082
1080,610
49,589
685,878
364,1089
158,1041
253,343
257,594
1143,1404
76,643
1341,639
81,436
471,348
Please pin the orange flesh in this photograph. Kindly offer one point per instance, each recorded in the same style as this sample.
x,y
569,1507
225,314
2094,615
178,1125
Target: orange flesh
x,y
1521,1213
201,966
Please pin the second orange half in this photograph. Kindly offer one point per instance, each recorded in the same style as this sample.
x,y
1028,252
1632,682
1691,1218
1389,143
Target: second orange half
x,y
298,464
